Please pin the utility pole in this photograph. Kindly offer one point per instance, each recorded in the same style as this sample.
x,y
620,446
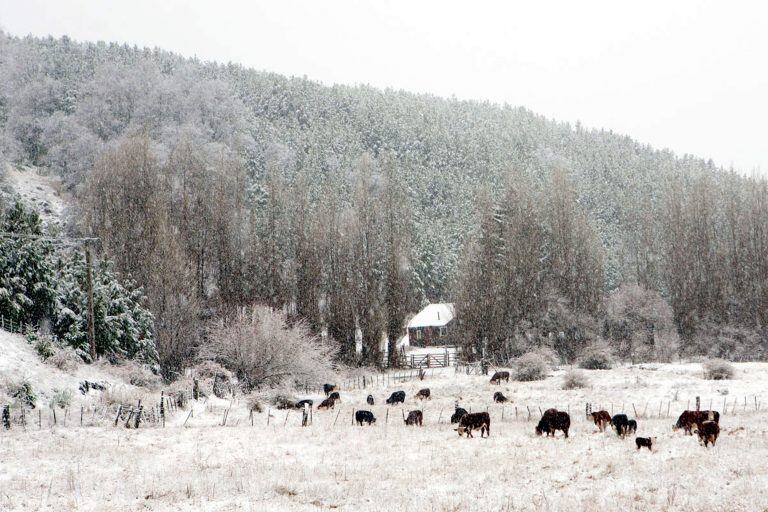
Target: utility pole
x,y
91,325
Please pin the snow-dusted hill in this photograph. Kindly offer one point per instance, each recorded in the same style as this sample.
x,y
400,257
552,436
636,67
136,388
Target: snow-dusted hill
x,y
19,362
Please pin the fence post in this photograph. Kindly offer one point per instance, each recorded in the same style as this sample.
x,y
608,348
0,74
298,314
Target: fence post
x,y
162,407
138,415
698,403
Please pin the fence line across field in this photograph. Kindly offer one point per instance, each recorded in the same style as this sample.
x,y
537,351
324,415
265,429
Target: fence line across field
x,y
145,415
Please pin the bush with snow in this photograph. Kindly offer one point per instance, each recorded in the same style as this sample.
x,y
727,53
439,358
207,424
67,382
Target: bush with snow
x,y
530,366
261,349
65,359
574,379
61,398
718,369
21,392
598,355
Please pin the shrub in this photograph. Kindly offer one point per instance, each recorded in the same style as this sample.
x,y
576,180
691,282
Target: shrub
x,y
575,379
61,398
254,404
598,355
141,376
24,394
718,369
44,346
283,401
530,366
260,348
64,359
210,369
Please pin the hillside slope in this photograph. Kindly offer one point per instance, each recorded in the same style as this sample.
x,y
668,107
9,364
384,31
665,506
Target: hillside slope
x,y
20,362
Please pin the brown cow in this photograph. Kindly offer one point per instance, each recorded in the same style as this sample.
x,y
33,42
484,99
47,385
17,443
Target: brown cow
x,y
424,393
708,432
499,397
328,403
688,420
601,418
414,418
499,376
474,421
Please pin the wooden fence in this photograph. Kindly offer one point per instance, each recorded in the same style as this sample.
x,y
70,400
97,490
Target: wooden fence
x,y
18,327
443,360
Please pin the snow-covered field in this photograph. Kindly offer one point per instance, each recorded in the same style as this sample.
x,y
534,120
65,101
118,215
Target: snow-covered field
x,y
334,465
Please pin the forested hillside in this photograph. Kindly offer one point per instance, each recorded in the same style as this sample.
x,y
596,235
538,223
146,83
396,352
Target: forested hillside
x,y
215,186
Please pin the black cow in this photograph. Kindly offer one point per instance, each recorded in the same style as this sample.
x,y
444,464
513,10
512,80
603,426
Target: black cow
x,y
335,396
300,403
645,442
553,420
328,388
458,414
708,432
369,399
424,393
631,427
364,417
396,397
620,422
499,376
498,397
328,403
414,418
474,421
688,420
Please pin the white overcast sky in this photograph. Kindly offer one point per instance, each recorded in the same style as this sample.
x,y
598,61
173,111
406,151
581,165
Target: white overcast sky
x,y
689,76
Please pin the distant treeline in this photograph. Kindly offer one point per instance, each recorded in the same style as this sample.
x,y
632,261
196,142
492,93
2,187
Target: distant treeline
x,y
215,186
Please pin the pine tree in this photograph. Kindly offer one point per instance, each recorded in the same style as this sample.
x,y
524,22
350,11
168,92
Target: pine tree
x,y
27,288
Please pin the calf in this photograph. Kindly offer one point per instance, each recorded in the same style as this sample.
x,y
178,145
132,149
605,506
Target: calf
x,y
414,418
631,427
396,397
458,414
369,399
328,403
424,394
600,418
499,398
364,417
499,376
620,422
645,442
553,420
474,421
335,396
708,432
688,420
328,388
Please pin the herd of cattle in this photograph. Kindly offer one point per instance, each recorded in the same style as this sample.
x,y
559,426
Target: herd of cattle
x,y
703,423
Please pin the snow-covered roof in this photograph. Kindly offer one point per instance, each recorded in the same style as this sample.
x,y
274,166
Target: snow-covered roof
x,y
434,315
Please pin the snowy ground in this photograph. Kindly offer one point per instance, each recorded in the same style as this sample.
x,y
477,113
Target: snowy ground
x,y
334,465
43,192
